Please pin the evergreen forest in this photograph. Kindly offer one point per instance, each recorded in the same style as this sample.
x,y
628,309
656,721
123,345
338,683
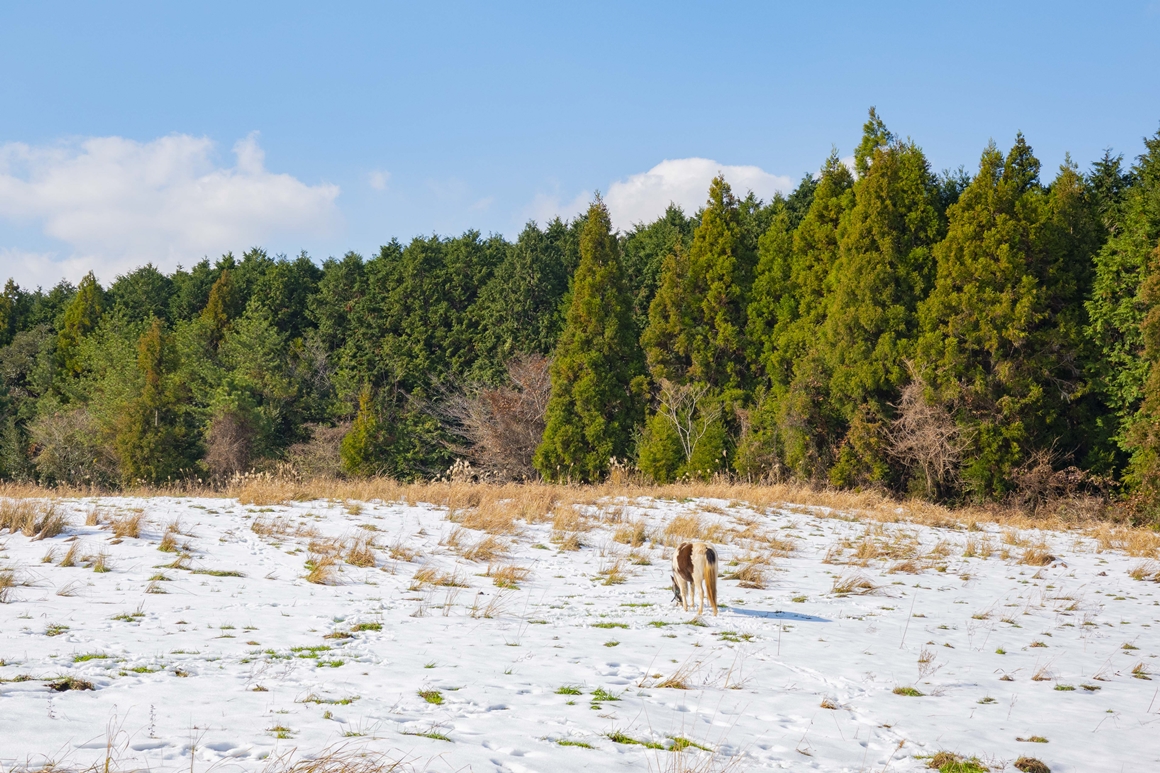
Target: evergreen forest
x,y
990,334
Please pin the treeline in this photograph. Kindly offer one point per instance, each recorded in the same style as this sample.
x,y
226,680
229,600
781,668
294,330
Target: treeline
x,y
964,336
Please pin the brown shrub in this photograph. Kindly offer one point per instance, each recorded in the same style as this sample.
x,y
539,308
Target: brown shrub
x,y
319,456
499,428
229,445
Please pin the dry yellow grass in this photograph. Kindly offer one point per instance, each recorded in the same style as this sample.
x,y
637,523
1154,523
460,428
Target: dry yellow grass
x,y
1036,555
127,526
321,569
536,502
1145,570
360,551
487,549
631,533
567,518
751,572
429,575
853,583
32,519
508,575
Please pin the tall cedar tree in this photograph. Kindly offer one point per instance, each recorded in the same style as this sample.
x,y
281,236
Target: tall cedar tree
x,y
995,346
154,441
1143,437
696,326
884,268
794,419
596,373
80,319
1116,310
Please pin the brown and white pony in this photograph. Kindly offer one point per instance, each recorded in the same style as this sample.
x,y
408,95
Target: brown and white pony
x,y
695,567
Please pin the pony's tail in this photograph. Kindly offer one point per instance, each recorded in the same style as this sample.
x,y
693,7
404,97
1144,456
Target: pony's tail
x,y
711,577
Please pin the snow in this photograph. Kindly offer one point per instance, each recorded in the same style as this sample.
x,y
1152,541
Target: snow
x,y
213,665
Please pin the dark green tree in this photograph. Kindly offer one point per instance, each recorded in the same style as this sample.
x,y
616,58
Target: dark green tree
x,y
595,402
155,441
79,319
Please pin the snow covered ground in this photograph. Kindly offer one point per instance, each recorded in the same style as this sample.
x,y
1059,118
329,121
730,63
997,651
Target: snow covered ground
x,y
223,651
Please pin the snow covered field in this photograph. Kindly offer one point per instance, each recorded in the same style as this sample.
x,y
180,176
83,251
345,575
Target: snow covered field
x,y
219,648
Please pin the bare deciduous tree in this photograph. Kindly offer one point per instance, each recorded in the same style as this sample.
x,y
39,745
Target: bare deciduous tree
x,y
682,405
925,435
229,444
500,427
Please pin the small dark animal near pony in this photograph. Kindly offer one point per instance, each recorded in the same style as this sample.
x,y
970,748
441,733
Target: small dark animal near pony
x,y
695,568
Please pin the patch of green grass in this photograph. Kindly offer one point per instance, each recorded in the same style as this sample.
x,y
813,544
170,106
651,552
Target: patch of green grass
x,y
611,643
90,656
1064,688
308,652
799,599
432,696
618,737
698,622
987,699
312,698
658,623
129,617
218,572
1033,739
733,636
580,744
56,629
434,735
368,627
638,604
1000,651
1090,687
610,625
65,683
336,663
680,743
599,695
568,689
143,670
537,622
281,731
907,691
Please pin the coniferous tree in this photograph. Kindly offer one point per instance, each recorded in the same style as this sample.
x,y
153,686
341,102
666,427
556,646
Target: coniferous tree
x,y
1116,310
80,318
596,372
883,270
994,345
155,442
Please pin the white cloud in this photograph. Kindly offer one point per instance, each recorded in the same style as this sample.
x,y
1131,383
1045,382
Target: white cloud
x,y
683,181
379,179
119,203
546,206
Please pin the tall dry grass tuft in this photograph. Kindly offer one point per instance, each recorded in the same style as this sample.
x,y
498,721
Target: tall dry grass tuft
x,y
360,551
321,569
335,759
127,526
32,519
7,583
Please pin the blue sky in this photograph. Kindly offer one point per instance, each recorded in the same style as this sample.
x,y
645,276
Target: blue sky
x,y
164,131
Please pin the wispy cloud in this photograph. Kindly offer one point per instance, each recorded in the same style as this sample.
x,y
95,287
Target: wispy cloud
x,y
117,203
378,179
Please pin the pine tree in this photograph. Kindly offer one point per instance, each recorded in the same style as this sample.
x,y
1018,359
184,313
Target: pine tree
x,y
596,372
80,318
